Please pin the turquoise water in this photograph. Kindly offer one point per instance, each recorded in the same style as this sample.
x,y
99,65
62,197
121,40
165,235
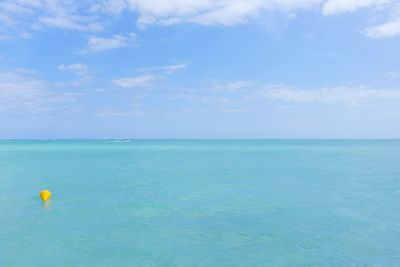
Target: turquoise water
x,y
200,203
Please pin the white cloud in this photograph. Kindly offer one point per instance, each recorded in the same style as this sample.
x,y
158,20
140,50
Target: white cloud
x,y
136,81
19,17
21,92
233,12
234,110
389,8
99,44
77,69
15,7
388,29
151,75
119,113
232,86
174,68
68,22
110,6
332,95
334,7
206,12
167,69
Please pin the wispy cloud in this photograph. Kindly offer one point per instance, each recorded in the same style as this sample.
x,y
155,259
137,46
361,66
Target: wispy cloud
x,y
334,7
19,18
68,22
166,69
99,44
234,110
174,68
150,77
110,6
393,74
328,95
218,12
221,12
389,8
80,70
385,30
21,92
136,81
119,113
77,69
232,86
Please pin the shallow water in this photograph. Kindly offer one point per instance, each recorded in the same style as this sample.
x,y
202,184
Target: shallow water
x,y
200,203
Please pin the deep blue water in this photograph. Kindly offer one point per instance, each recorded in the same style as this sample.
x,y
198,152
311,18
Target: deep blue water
x,y
200,203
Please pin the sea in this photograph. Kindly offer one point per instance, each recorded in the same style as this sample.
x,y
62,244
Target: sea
x,y
200,203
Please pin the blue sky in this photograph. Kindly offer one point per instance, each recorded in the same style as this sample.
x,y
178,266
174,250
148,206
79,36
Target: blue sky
x,y
199,69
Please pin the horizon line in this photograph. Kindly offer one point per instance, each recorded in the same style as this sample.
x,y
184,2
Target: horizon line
x,y
199,139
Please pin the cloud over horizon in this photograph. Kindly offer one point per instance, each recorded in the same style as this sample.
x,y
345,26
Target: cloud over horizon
x,y
21,92
347,95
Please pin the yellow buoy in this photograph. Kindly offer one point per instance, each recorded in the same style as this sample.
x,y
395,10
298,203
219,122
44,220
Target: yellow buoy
x,y
45,195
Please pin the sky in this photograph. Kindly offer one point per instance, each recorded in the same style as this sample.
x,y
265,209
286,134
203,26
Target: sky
x,y
199,69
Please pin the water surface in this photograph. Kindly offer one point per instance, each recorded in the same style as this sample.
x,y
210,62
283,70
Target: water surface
x,y
200,203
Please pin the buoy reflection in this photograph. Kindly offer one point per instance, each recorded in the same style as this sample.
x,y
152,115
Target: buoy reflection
x,y
46,204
